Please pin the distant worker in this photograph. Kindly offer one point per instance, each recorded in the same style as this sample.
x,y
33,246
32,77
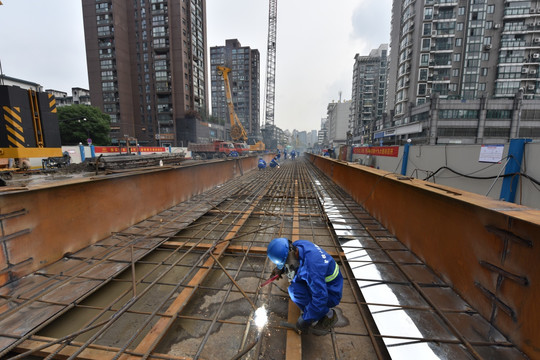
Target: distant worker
x,y
285,154
278,154
293,154
233,153
316,284
274,162
262,164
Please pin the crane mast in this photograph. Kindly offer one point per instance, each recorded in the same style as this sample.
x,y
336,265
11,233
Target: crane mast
x,y
271,75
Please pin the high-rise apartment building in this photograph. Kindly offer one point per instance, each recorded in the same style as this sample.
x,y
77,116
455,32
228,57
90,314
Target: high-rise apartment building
x,y
338,114
473,63
146,65
244,81
368,94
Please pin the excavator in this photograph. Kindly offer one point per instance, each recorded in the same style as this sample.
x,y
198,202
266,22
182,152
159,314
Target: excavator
x,y
238,133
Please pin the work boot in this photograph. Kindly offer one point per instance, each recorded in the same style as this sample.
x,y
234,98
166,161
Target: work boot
x,y
324,325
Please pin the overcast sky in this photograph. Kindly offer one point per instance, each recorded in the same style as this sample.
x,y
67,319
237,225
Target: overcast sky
x,y
43,42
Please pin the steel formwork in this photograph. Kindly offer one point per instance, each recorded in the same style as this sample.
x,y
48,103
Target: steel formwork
x,y
184,284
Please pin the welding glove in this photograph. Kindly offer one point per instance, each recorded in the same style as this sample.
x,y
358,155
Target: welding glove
x,y
277,271
302,325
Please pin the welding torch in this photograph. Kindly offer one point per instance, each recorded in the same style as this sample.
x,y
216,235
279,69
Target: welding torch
x,y
269,280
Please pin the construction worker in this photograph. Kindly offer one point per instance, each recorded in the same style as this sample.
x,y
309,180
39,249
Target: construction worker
x,y
274,162
293,154
316,284
262,164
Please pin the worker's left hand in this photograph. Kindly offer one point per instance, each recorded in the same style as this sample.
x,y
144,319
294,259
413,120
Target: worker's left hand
x,y
277,271
302,325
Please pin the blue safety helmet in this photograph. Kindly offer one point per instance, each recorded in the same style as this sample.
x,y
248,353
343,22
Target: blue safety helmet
x,y
277,251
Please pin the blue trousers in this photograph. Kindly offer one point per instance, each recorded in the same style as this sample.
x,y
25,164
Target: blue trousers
x,y
301,294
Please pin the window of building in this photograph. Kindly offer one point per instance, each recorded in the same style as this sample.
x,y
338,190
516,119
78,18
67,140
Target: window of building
x,y
459,26
499,114
423,75
455,72
484,71
487,40
424,59
426,44
485,56
427,29
459,41
457,57
422,89
428,13
461,11
491,9
482,86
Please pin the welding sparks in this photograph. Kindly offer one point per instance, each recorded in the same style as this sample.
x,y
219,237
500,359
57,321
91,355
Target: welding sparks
x,y
261,317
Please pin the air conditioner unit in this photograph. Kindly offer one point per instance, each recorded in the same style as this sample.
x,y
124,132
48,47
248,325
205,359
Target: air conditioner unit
x,y
532,72
496,26
524,70
530,87
532,10
433,44
487,46
536,40
536,56
433,32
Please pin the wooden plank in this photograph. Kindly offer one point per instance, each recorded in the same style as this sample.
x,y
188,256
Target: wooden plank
x,y
294,341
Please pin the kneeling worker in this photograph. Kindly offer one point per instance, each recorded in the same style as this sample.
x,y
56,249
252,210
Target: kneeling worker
x,y
316,284
274,163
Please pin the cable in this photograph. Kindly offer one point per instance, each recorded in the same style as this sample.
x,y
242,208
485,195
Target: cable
x,y
482,177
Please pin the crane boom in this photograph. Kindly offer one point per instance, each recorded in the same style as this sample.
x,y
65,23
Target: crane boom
x,y
237,129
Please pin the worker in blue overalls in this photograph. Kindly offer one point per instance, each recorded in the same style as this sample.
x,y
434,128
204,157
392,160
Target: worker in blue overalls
x,y
262,164
274,162
316,284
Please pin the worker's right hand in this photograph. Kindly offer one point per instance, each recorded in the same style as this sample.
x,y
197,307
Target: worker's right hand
x,y
277,271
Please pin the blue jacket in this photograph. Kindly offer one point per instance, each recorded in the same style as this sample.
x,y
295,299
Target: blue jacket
x,y
316,267
262,164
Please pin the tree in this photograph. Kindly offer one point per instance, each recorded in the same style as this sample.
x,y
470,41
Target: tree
x,y
81,122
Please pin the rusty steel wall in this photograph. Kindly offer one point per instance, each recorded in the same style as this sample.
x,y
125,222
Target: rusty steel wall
x,y
488,250
41,224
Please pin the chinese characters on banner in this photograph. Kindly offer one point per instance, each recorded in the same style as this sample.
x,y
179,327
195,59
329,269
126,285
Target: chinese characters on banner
x,y
391,151
133,149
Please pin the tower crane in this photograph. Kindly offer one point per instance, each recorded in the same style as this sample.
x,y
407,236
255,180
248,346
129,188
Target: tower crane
x,y
271,76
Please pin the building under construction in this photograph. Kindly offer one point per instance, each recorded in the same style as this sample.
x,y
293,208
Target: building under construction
x,y
167,263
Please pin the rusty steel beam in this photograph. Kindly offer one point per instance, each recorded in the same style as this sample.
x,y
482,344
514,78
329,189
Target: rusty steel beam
x,y
79,204
453,232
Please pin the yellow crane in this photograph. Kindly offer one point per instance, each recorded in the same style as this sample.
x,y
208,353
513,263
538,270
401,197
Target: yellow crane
x,y
238,133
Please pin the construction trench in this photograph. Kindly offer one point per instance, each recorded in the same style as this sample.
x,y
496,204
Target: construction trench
x,y
182,280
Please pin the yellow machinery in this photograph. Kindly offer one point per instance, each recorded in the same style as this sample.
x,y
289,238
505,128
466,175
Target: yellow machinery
x,y
238,133
28,124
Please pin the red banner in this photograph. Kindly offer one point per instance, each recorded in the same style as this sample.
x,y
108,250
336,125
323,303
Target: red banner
x,y
133,149
392,151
